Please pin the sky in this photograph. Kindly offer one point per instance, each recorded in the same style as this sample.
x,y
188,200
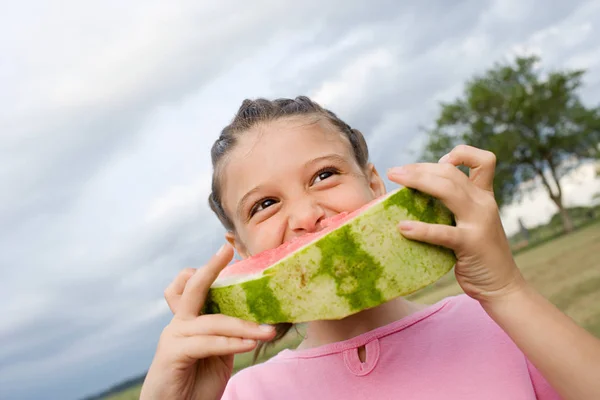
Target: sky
x,y
108,111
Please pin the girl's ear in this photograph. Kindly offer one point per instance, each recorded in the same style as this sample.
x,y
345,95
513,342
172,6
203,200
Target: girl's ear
x,y
375,181
237,244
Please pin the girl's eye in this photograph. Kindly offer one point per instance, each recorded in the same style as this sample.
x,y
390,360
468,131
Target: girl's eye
x,y
261,205
325,173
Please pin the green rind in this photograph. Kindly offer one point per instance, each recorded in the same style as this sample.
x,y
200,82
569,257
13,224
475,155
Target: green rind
x,y
359,265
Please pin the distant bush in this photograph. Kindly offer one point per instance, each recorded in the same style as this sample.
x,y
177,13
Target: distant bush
x,y
581,216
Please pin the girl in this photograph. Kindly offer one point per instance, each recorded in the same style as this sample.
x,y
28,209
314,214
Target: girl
x,y
283,166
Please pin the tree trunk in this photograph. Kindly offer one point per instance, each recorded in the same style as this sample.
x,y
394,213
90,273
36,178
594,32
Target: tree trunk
x,y
558,197
566,218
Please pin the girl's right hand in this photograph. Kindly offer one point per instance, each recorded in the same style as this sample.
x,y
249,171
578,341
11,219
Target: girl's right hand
x,y
194,356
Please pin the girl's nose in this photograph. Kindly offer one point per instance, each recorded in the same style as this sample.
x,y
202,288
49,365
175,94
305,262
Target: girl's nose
x,y
305,217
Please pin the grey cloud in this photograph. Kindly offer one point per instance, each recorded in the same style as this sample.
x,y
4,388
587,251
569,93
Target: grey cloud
x,y
538,14
84,310
407,33
85,375
47,170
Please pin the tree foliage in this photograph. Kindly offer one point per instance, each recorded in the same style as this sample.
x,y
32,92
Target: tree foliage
x,y
534,122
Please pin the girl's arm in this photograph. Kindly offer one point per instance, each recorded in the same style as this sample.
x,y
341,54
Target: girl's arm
x,y
566,355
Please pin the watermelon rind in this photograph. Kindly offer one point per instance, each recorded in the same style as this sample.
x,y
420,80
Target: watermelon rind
x,y
360,264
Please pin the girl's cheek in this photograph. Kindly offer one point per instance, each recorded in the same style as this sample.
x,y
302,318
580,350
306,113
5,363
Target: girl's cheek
x,y
266,235
346,198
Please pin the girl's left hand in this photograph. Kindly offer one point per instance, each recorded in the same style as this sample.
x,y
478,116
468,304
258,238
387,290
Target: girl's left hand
x,y
485,268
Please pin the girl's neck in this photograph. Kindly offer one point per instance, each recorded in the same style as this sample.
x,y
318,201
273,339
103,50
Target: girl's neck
x,y
319,333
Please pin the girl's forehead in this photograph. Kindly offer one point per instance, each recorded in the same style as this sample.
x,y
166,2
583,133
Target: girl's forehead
x,y
287,139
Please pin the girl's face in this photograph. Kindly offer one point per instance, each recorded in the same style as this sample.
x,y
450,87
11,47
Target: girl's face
x,y
284,177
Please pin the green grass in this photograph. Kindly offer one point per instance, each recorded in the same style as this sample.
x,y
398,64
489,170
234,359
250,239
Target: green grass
x,y
132,393
565,270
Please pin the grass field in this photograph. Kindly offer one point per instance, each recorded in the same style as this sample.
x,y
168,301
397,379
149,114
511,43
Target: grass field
x,y
565,270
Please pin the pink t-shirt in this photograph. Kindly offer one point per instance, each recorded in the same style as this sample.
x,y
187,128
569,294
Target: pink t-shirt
x,y
450,350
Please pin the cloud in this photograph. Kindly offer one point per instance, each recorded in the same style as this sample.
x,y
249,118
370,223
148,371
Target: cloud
x,y
99,100
347,90
108,111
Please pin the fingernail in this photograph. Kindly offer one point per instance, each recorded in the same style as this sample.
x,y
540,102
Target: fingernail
x,y
249,341
406,225
266,328
397,171
444,159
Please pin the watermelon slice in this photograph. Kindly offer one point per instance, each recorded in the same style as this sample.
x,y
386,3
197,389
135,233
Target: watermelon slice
x,y
357,260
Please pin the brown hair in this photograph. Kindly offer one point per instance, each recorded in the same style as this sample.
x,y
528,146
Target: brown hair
x,y
254,112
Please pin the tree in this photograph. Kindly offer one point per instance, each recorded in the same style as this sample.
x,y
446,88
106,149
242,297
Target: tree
x,y
535,123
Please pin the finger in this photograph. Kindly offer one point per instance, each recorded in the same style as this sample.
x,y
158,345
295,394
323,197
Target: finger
x,y
194,294
452,192
199,347
175,289
482,164
223,325
440,235
444,170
